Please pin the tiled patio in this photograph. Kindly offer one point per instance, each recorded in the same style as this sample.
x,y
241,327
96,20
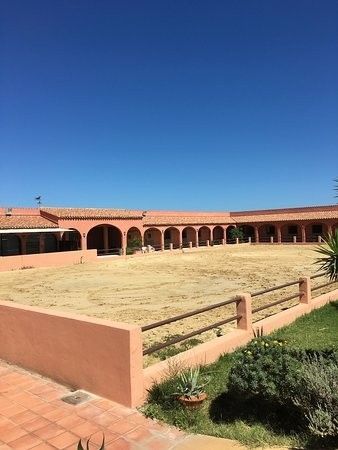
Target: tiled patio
x,y
33,416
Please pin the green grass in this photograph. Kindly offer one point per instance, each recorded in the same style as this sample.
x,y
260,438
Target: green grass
x,y
253,424
317,331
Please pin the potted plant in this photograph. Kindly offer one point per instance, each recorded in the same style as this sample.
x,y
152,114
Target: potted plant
x,y
190,391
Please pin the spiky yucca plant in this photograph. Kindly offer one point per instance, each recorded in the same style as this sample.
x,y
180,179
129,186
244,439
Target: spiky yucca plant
x,y
329,262
80,447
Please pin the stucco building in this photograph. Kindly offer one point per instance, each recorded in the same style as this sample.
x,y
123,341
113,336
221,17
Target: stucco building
x,y
112,231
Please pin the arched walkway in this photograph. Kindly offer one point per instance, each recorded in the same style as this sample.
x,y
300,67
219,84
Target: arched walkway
x,y
217,235
314,230
266,232
10,245
188,235
248,232
172,236
50,243
229,238
71,240
107,239
33,243
289,230
152,236
134,238
204,235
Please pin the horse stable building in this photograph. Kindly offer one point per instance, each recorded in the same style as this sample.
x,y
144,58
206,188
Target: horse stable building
x,y
46,230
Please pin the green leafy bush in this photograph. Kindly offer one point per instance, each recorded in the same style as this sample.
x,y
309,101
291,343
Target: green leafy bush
x,y
316,393
265,367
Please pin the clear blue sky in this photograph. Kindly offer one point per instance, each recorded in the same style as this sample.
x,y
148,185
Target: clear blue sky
x,y
212,105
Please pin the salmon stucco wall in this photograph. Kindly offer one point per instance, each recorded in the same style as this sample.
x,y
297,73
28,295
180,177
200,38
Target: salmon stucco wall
x,y
92,354
46,259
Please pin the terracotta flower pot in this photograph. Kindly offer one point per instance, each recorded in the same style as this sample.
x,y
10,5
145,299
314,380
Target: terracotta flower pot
x,y
192,402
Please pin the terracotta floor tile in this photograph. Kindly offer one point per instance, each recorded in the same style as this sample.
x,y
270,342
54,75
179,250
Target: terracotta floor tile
x,y
35,424
140,435
104,404
6,425
159,444
64,440
23,417
57,414
45,446
122,411
25,442
12,410
105,419
5,447
12,434
122,427
51,394
39,387
85,430
89,411
43,409
96,438
49,431
122,444
71,421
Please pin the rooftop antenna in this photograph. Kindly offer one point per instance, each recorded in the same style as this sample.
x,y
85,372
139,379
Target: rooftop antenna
x,y
38,200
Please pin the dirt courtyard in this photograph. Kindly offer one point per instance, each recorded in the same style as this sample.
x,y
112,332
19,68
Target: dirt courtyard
x,y
148,288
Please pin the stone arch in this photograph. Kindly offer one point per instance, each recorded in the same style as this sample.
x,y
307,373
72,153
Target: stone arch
x,y
267,231
71,240
335,228
228,234
10,244
172,236
189,235
105,238
217,234
152,236
314,230
134,237
248,232
289,230
204,234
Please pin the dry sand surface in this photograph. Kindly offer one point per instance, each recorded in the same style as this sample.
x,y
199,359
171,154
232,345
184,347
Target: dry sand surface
x,y
148,288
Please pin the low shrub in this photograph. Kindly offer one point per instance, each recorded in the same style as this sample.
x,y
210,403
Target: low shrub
x,y
265,367
316,393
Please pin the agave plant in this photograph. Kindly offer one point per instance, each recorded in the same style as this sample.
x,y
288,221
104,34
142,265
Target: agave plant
x,y
329,262
80,447
189,384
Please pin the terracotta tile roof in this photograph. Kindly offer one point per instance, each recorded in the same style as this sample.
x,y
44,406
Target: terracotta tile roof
x,y
93,213
287,216
187,220
17,222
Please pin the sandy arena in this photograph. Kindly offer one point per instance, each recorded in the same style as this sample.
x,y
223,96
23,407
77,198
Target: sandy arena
x,y
148,288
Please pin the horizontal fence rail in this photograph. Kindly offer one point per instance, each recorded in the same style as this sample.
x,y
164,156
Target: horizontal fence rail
x,y
188,314
239,300
184,337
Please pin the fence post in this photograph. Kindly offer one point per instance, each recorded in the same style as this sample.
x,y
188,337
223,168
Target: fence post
x,y
243,309
305,290
249,239
171,246
294,239
208,242
190,244
149,248
223,241
319,239
237,240
271,239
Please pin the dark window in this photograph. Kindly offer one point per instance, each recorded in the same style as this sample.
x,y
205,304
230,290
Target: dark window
x,y
33,244
167,235
9,245
149,235
184,234
292,229
271,230
317,229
